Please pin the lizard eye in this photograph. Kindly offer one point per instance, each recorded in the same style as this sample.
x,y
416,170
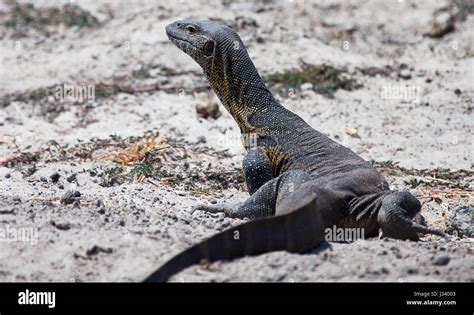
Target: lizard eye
x,y
191,29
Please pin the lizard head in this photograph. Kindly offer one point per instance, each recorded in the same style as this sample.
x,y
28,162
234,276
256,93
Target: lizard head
x,y
221,54
203,40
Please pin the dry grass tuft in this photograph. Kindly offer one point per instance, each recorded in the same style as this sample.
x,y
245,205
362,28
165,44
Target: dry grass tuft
x,y
137,151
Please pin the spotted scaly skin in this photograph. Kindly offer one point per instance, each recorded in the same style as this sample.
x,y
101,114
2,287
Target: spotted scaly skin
x,y
300,181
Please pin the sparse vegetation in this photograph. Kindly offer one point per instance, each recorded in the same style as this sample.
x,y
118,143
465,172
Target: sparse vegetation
x,y
433,184
136,152
325,79
26,15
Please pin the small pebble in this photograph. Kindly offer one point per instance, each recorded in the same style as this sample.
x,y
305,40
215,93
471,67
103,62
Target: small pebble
x,y
71,177
55,177
61,225
201,139
226,222
411,270
68,197
441,260
460,221
405,74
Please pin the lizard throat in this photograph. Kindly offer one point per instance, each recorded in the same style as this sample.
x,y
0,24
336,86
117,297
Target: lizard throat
x,y
240,88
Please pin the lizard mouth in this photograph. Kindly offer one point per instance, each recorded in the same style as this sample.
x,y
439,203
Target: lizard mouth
x,y
178,40
175,38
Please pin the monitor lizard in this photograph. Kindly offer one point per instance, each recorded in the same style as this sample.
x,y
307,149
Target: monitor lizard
x,y
300,181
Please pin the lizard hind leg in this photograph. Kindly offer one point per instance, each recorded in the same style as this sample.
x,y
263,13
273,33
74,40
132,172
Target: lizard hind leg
x,y
263,202
396,215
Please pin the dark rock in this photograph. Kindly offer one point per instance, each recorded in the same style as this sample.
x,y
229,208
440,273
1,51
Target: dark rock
x,y
385,270
411,270
61,225
97,249
201,139
68,197
55,177
460,221
457,92
441,27
71,177
210,110
9,211
441,260
77,194
7,175
405,74
43,179
226,223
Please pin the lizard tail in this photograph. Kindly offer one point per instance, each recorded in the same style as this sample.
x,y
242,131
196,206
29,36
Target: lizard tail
x,y
296,231
396,214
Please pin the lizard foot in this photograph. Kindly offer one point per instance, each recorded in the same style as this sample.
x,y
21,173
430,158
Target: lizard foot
x,y
396,216
228,208
420,219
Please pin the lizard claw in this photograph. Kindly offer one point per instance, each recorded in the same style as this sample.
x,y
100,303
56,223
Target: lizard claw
x,y
427,230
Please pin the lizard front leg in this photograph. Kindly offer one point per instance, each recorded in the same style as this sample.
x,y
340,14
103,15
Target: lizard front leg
x,y
257,169
396,215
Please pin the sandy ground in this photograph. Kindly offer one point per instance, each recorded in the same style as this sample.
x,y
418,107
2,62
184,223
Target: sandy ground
x,y
411,113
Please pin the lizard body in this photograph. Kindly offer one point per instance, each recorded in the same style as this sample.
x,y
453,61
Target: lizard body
x,y
300,181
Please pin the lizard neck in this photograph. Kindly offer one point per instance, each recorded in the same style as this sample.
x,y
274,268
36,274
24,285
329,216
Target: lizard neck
x,y
238,85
